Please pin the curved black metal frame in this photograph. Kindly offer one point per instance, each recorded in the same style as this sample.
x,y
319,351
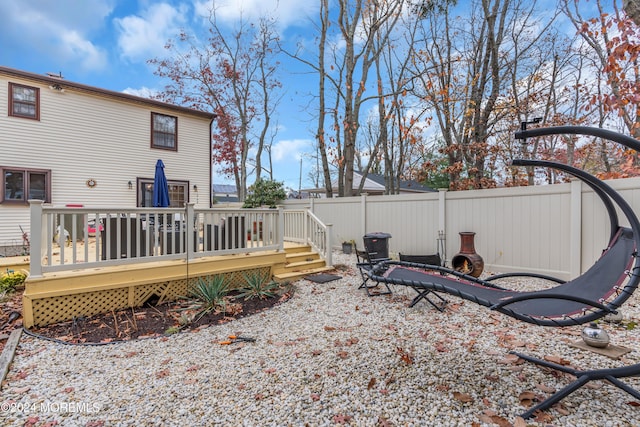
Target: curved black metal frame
x,y
608,196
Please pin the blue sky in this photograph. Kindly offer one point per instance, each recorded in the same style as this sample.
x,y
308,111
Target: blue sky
x,y
106,43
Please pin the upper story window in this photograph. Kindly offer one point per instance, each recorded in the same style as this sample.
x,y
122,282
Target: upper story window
x,y
24,101
20,185
164,132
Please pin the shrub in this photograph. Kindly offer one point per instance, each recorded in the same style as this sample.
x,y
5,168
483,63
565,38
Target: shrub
x,y
211,294
10,281
265,193
257,284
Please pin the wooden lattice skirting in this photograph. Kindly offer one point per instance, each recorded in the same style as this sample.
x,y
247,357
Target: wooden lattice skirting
x,y
59,297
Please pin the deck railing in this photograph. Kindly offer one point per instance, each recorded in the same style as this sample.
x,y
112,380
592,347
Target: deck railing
x,y
304,227
70,238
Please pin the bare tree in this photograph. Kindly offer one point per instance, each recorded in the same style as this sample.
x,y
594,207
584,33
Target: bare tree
x,y
233,75
462,71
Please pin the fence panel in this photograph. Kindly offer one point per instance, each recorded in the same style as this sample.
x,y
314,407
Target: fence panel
x,y
556,229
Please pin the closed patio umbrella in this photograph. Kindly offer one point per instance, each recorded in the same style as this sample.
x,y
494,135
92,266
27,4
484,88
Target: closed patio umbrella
x,y
160,187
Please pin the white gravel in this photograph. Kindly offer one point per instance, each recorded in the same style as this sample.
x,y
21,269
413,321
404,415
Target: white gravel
x,y
329,356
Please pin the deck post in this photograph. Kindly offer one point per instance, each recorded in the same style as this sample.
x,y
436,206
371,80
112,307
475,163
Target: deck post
x,y
35,243
280,228
191,230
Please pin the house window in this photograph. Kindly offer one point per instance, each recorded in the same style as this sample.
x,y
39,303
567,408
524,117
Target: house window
x,y
178,193
24,101
20,185
164,132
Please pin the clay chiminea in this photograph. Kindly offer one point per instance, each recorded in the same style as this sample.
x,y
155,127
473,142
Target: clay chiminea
x,y
467,261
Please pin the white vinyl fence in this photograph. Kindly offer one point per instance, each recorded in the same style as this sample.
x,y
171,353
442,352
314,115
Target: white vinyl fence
x,y
554,229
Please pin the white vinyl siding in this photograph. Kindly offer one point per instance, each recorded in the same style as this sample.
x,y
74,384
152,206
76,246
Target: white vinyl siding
x,y
82,136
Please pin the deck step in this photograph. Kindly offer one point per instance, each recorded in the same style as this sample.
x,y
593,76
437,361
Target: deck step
x,y
301,261
295,275
302,256
305,265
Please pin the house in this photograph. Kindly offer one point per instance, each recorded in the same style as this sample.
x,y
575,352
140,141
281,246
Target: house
x,y
71,144
374,185
225,193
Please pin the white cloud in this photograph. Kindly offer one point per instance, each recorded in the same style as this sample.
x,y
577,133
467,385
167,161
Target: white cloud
x,y
58,30
90,56
288,150
143,92
286,12
144,36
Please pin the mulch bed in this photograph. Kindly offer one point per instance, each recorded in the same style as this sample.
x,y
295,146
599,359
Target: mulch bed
x,y
146,321
11,304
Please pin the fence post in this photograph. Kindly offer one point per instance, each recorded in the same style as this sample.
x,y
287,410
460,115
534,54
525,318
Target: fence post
x,y
35,241
442,219
329,246
363,214
575,245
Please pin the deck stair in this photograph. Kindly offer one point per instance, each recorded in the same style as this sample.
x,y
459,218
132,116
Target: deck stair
x,y
301,260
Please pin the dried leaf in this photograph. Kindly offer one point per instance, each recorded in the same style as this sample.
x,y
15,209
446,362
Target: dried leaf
x,y
500,421
545,388
372,383
462,397
509,359
485,419
329,328
527,395
341,418
557,359
519,422
163,373
543,417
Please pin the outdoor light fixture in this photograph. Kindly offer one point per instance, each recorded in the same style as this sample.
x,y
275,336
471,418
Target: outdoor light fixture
x,y
523,125
56,87
130,185
195,188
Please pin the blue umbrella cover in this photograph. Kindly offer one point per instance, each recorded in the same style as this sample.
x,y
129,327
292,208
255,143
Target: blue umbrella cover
x,y
160,187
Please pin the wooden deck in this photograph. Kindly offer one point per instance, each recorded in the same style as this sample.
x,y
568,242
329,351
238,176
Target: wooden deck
x,y
61,296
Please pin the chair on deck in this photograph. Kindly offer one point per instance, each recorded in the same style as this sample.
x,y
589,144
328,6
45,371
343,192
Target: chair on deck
x,y
598,292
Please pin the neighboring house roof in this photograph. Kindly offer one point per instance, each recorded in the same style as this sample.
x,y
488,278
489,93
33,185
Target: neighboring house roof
x,y
224,188
375,184
405,185
62,83
225,192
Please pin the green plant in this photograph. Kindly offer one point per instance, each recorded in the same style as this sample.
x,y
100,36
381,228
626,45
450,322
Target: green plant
x,y
210,293
265,192
257,284
11,280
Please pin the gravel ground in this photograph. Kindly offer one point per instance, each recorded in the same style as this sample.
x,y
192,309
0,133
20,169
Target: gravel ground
x,y
329,356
